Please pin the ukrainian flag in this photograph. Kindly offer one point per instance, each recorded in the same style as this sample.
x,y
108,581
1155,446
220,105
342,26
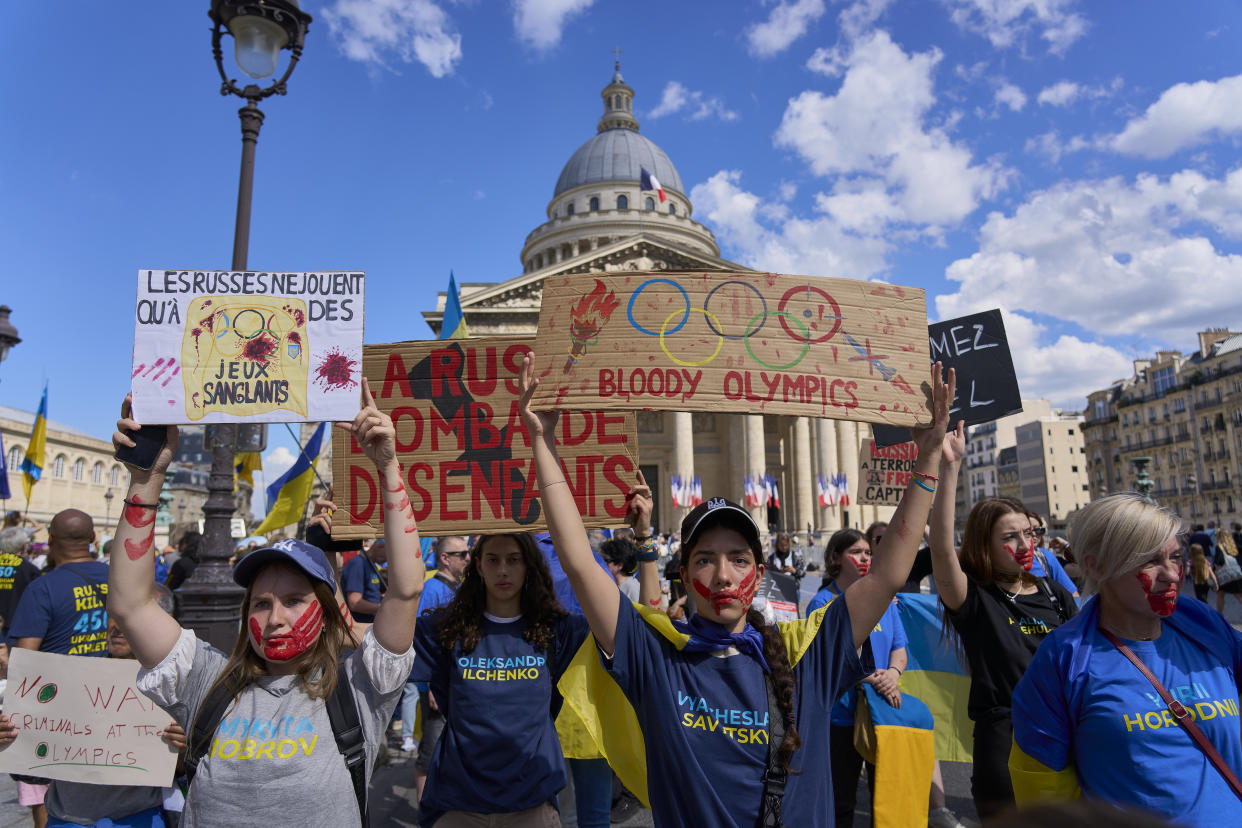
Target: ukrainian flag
x,y
453,326
934,675
32,465
901,744
288,495
244,467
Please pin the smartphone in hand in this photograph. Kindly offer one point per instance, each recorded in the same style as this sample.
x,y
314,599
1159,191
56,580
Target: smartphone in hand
x,y
148,441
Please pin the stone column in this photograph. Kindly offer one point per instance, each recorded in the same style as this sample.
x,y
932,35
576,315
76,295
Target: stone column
x,y
736,447
847,461
756,462
826,442
802,461
683,451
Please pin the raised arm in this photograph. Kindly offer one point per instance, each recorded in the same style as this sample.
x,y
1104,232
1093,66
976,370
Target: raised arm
x,y
394,620
946,568
131,576
868,597
596,590
638,516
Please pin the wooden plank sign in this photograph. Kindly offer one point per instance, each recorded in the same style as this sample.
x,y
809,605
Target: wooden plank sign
x,y
884,472
228,347
741,342
463,447
82,719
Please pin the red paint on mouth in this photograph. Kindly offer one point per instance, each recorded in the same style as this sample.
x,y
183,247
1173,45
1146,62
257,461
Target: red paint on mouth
x,y
744,594
297,641
1024,559
336,371
1161,603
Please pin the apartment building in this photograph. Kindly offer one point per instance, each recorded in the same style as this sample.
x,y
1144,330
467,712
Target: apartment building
x,y
1052,469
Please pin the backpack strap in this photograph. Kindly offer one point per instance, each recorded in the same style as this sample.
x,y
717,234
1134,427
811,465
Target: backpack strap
x,y
350,739
210,713
775,776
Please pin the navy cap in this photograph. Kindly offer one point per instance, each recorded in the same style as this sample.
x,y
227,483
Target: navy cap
x,y
306,557
717,511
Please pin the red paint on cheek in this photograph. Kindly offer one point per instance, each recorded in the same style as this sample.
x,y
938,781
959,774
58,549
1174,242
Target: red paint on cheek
x,y
298,640
256,632
136,549
701,589
746,591
139,516
861,566
1161,603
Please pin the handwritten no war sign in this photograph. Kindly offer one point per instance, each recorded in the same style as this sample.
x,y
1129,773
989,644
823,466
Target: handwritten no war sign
x,y
742,342
220,346
84,721
464,451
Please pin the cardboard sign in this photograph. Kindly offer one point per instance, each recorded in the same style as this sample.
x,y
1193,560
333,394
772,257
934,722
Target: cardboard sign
x,y
777,597
220,346
884,472
83,720
987,385
464,449
735,342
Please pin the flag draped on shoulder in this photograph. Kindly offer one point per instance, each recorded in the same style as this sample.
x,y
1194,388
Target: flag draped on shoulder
x,y
32,464
453,325
289,493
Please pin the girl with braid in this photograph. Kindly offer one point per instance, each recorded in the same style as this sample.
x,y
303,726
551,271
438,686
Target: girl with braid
x,y
734,712
492,658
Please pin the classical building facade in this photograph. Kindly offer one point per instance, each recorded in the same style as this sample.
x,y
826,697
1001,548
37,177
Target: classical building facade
x,y
1184,413
598,221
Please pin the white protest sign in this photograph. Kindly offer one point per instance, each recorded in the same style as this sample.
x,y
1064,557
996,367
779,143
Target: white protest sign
x,y
82,719
254,346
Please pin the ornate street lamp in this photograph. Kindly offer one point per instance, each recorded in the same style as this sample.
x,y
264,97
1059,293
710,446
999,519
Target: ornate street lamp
x,y
8,334
1143,484
260,29
108,508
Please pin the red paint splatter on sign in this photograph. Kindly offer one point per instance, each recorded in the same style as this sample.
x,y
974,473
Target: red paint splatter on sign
x,y
259,349
336,371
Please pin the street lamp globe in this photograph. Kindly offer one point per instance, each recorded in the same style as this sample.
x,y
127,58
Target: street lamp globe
x,y
260,29
257,44
8,334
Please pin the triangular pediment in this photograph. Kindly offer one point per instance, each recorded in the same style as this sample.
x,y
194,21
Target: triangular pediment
x,y
513,305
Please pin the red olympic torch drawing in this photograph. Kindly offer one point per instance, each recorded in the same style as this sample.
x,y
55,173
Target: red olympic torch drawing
x,y
587,319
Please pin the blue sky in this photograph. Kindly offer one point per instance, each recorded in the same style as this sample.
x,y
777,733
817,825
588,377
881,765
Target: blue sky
x,y
1072,163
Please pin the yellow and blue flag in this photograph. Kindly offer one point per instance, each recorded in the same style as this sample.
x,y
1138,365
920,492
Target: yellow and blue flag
x,y
934,674
902,745
453,326
244,467
290,492
32,465
5,491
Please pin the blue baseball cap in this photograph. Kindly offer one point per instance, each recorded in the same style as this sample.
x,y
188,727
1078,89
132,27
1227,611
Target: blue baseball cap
x,y
306,557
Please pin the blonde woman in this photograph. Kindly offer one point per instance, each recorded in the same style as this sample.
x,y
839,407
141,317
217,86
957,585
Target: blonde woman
x,y
1089,722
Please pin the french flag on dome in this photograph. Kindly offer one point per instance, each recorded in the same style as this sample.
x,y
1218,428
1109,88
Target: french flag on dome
x,y
647,181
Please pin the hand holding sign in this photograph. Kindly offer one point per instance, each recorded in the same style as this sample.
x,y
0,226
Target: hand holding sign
x,y
638,514
540,424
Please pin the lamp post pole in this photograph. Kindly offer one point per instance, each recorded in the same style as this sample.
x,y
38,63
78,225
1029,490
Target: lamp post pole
x,y
261,29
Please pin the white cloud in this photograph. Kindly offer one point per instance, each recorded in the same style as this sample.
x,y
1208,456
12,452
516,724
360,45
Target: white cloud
x,y
1117,258
857,18
539,23
276,462
412,30
1184,116
1059,94
1051,145
764,235
1011,96
1006,23
695,105
875,127
788,21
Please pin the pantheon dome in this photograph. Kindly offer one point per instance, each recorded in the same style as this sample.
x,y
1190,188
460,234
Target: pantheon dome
x,y
597,199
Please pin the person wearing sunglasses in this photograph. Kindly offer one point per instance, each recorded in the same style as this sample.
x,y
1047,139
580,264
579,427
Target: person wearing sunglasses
x,y
1046,564
1141,681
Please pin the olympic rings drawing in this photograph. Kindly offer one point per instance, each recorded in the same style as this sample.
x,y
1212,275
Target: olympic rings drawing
x,y
719,340
749,333
836,313
806,343
629,311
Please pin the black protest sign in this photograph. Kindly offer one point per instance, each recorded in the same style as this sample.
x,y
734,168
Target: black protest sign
x,y
987,386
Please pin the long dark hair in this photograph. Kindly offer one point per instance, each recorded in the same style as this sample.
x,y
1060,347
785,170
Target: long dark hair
x,y
774,653
463,617
841,540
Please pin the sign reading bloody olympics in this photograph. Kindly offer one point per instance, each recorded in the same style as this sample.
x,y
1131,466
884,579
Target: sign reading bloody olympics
x,y
464,450
252,346
884,472
740,342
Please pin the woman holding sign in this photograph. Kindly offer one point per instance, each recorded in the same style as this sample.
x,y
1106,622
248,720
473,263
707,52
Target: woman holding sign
x,y
722,699
270,721
999,611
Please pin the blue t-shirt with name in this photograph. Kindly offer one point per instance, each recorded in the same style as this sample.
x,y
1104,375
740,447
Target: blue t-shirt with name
x,y
436,594
705,719
499,752
66,608
1055,571
1082,702
360,575
887,636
